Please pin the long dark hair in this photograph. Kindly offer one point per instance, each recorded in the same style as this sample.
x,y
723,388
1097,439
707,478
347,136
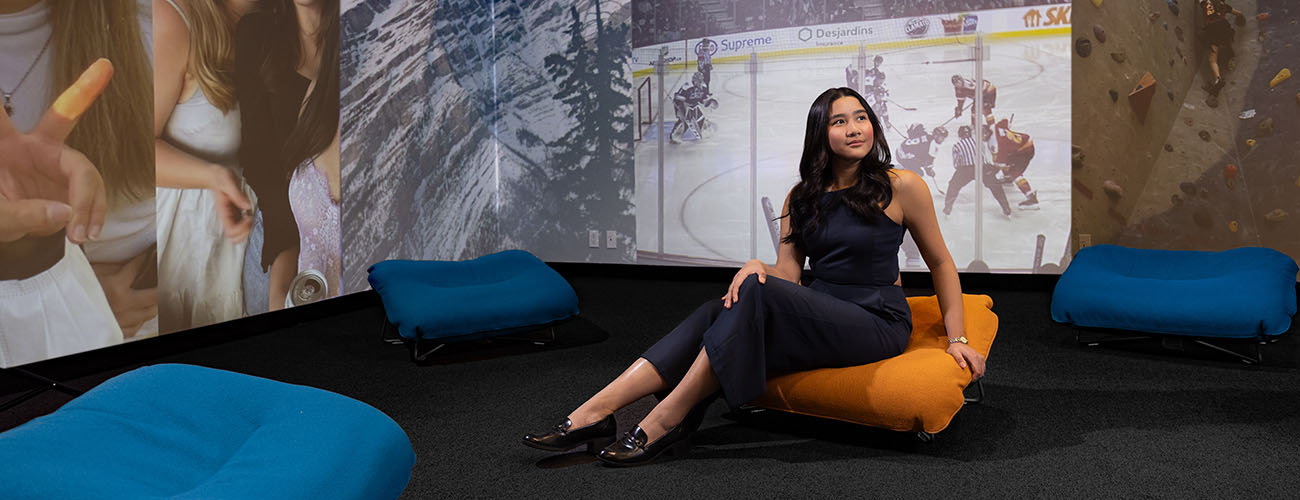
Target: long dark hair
x,y
866,197
319,120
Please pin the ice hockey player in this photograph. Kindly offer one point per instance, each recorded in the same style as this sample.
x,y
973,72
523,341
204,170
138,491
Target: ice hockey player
x,y
691,96
874,91
963,161
1013,150
917,153
964,88
704,58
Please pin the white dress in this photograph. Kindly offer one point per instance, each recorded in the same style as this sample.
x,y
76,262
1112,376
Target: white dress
x,y
200,272
61,310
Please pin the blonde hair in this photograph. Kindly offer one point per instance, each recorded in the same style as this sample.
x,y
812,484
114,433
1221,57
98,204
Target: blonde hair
x,y
212,50
116,133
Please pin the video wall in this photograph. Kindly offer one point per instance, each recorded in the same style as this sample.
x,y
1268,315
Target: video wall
x,y
217,164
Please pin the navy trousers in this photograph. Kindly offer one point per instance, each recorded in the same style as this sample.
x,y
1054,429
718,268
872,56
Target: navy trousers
x,y
773,328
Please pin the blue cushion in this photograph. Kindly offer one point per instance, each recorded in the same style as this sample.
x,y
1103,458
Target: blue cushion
x,y
1244,292
477,298
181,431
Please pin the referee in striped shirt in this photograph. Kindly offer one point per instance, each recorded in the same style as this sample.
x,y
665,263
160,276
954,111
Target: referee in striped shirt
x,y
963,162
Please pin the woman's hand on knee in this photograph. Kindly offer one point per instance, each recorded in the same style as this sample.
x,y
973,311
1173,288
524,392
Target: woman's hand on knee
x,y
755,267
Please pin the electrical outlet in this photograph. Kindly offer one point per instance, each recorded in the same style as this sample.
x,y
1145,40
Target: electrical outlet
x,y
1085,240
611,239
593,238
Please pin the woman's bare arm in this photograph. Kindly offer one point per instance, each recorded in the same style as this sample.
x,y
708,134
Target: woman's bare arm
x,y
918,215
789,260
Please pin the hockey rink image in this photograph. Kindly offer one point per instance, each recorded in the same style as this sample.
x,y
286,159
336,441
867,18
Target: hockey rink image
x,y
755,133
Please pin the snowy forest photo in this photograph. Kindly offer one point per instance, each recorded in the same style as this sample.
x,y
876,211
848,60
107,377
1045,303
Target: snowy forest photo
x,y
485,126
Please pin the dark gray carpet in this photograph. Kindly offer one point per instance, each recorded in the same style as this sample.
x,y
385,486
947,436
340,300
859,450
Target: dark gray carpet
x,y
1059,420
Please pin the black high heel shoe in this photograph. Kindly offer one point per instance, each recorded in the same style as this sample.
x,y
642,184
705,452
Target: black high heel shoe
x,y
632,449
564,438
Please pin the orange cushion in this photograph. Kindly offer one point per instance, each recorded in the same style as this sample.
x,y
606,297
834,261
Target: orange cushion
x,y
920,389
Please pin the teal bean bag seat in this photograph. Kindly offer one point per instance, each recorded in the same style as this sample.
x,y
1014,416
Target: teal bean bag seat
x,y
187,432
492,295
1245,292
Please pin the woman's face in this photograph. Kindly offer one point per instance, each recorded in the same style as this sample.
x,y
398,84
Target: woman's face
x,y
849,131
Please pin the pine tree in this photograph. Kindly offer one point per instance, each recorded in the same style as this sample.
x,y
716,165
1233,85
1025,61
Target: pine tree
x,y
596,152
613,103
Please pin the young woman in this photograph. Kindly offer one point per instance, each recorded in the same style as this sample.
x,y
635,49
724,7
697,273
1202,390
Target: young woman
x,y
203,206
848,215
288,86
53,298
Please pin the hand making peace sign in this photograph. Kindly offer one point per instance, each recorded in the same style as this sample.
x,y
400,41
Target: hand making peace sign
x,y
45,185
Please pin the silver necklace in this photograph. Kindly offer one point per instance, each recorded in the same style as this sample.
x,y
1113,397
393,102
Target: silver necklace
x,y
9,94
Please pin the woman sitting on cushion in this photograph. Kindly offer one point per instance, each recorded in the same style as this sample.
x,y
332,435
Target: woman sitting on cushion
x,y
847,214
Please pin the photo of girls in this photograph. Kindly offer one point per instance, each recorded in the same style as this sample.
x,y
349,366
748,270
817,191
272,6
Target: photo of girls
x,y
287,82
204,206
81,279
246,116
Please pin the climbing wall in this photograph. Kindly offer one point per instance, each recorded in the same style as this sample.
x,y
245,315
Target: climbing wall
x,y
1118,139
1173,166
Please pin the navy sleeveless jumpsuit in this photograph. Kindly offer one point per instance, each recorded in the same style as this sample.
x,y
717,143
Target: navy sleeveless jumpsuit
x,y
851,314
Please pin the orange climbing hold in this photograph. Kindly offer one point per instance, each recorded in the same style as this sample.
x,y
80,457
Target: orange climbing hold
x,y
1279,78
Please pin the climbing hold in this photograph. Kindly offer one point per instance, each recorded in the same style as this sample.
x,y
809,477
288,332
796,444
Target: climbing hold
x,y
1279,78
1096,3
1261,16
1232,226
1169,148
1176,200
1083,47
1114,96
1297,182
1265,128
1140,97
1173,6
1250,143
1205,136
1076,156
1250,113
1112,190
1154,16
1277,215
1099,33
1178,31
1230,176
1188,121
1119,57
1188,188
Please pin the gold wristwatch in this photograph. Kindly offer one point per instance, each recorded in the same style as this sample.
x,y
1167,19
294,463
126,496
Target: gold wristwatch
x,y
961,339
